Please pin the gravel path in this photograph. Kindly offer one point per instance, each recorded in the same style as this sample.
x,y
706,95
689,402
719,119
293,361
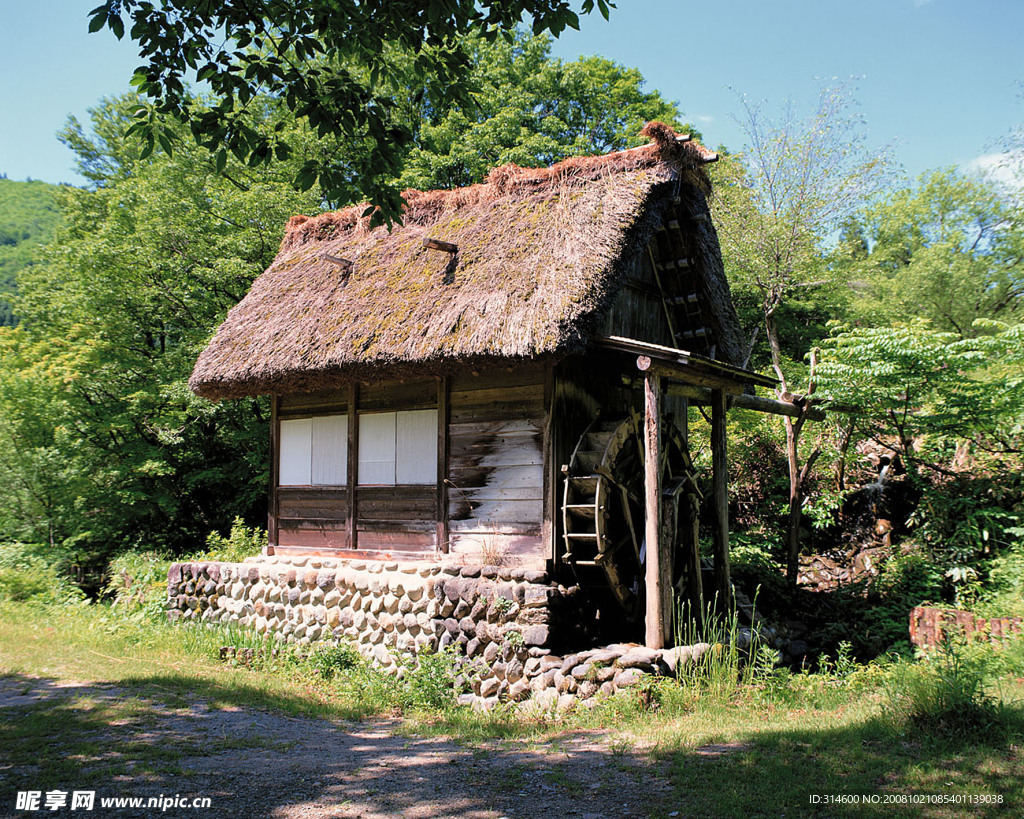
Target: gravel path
x,y
256,763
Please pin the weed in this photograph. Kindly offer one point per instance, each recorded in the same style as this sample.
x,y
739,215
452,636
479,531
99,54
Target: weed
x,y
328,659
946,693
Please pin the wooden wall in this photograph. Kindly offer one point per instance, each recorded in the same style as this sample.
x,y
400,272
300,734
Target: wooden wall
x,y
496,462
491,441
306,517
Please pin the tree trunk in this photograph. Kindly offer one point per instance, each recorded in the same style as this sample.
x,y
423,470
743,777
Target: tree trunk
x,y
797,475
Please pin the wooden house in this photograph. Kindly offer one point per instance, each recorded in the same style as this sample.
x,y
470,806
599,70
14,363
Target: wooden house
x,y
495,379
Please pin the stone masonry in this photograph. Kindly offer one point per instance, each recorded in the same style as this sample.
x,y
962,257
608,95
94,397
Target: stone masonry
x,y
506,623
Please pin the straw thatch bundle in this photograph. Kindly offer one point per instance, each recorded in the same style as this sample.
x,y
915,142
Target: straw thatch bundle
x,y
540,252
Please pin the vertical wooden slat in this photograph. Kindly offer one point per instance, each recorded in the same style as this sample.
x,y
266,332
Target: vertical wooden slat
x,y
352,469
720,483
656,591
275,469
442,465
549,529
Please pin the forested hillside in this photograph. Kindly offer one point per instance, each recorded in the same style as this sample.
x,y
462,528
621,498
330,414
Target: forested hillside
x,y
29,215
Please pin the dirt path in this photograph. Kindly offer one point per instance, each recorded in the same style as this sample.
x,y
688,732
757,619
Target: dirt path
x,y
255,763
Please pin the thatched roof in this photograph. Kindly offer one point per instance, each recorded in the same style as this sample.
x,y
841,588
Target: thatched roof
x,y
540,253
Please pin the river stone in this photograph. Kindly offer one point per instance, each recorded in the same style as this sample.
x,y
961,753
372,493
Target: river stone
x,y
628,677
536,635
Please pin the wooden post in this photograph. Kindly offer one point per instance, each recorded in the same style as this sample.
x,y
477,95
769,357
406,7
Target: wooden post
x,y
352,468
275,472
690,536
656,590
442,464
720,482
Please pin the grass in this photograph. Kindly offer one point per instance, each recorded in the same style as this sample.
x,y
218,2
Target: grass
x,y
759,749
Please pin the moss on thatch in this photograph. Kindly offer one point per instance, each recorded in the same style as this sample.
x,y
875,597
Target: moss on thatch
x,y
539,254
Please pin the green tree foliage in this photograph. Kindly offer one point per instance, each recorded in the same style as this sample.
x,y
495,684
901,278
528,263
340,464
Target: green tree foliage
x,y
951,251
28,218
532,110
916,389
102,444
340,66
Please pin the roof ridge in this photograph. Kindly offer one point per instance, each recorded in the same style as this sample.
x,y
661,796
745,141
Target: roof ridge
x,y
666,147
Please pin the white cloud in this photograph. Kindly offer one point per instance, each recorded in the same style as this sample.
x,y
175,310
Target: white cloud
x,y
704,119
1004,168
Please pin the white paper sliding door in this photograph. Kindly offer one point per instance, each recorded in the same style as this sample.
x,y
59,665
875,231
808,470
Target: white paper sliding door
x,y
398,448
313,451
416,447
330,450
377,449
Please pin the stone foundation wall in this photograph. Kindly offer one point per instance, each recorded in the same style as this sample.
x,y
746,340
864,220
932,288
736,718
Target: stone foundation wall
x,y
507,624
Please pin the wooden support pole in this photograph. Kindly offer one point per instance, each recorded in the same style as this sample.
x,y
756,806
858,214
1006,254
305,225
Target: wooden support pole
x,y
720,495
442,465
352,514
656,590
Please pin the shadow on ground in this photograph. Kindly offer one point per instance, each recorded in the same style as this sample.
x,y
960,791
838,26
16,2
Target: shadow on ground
x,y
162,736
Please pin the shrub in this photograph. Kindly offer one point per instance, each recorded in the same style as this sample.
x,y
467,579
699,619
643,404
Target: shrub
x,y
28,575
138,581
327,659
945,693
429,679
241,542
1004,595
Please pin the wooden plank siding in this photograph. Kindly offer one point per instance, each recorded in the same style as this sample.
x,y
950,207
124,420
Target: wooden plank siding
x,y
638,311
490,492
496,463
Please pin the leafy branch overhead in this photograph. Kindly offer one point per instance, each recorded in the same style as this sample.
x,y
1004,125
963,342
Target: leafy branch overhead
x,y
342,66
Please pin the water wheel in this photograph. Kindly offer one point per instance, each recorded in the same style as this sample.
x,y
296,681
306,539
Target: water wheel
x,y
603,504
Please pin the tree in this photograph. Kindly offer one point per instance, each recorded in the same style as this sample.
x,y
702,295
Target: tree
x,y
102,445
951,251
340,66
776,205
533,110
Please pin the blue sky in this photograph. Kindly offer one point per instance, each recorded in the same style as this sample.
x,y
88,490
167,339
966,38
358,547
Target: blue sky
x,y
940,79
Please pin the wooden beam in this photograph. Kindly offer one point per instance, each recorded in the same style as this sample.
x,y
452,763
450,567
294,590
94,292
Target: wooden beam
x,y
275,472
692,361
757,403
720,498
351,476
340,261
442,464
656,589
679,372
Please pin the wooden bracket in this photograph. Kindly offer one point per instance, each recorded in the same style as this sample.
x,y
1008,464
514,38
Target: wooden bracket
x,y
437,244
346,265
